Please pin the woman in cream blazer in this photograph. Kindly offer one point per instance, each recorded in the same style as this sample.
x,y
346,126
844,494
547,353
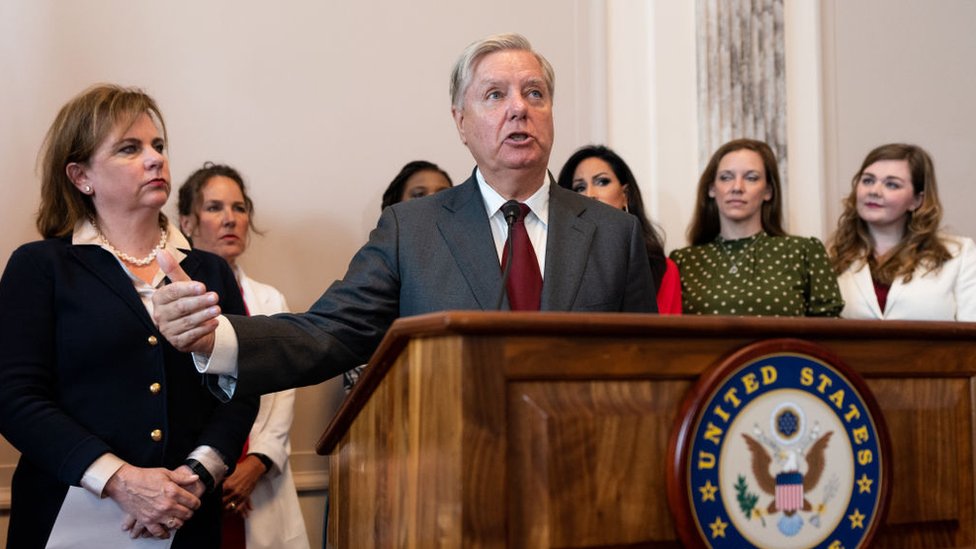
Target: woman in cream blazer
x,y
946,294
893,262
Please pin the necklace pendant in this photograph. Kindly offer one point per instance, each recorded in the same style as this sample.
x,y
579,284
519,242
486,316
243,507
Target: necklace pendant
x,y
733,270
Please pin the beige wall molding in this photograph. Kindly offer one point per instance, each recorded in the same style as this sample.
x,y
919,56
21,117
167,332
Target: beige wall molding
x,y
741,74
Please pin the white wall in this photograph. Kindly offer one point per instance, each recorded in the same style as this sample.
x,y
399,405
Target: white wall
x,y
902,71
653,107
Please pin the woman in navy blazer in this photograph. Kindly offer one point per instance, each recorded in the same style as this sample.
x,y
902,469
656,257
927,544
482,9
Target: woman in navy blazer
x,y
118,435
892,260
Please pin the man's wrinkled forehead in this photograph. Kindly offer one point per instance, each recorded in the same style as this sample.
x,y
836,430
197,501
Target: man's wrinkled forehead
x,y
528,71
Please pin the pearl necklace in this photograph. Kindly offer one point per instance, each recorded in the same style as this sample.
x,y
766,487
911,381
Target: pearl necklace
x,y
723,244
163,236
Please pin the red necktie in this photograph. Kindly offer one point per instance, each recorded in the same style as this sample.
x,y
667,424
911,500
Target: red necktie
x,y
524,279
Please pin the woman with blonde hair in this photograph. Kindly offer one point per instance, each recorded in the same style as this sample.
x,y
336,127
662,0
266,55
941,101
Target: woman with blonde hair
x,y
892,260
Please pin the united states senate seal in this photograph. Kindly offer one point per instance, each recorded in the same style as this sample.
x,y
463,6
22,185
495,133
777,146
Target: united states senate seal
x,y
781,446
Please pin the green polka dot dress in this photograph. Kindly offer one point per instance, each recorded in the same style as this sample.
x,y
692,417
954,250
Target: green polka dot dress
x,y
758,276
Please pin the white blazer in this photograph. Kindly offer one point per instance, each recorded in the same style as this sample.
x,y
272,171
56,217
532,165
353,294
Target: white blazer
x,y
946,294
276,518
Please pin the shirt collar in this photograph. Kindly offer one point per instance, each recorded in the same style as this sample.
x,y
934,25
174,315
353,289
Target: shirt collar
x,y
84,234
538,202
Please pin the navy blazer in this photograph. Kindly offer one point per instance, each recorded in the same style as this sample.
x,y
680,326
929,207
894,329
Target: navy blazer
x,y
437,254
80,360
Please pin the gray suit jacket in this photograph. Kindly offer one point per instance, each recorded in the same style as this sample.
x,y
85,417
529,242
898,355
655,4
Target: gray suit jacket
x,y
437,254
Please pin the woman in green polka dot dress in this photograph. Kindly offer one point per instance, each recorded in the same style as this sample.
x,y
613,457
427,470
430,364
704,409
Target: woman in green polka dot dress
x,y
741,261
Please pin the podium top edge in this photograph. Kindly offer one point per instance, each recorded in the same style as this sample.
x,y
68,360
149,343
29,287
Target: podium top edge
x,y
633,324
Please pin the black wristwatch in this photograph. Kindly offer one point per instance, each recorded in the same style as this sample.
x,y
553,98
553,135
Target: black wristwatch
x,y
199,470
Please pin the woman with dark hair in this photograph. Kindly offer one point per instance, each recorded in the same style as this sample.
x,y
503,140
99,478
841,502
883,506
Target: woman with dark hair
x,y
415,180
741,261
260,502
118,435
600,173
892,260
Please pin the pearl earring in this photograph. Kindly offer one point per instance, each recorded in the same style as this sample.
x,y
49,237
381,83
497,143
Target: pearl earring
x,y
88,189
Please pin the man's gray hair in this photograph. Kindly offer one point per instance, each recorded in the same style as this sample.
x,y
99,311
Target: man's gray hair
x,y
464,67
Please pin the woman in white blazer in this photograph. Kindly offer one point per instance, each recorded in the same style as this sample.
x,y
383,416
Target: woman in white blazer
x,y
892,260
215,212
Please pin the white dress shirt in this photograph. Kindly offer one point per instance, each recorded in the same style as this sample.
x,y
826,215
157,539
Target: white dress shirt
x,y
536,223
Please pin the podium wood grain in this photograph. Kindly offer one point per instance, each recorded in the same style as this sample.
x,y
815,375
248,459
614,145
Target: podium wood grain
x,y
551,429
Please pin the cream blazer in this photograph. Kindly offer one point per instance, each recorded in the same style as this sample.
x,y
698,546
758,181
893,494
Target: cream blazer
x,y
276,519
946,294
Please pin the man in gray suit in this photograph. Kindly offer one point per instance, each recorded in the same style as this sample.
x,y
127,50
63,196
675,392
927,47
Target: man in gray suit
x,y
438,253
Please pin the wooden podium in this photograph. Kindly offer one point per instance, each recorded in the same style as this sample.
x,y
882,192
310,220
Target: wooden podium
x,y
536,430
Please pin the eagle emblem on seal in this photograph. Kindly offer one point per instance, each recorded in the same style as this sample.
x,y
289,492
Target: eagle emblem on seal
x,y
788,485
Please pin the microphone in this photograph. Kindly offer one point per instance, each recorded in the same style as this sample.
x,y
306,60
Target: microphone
x,y
511,211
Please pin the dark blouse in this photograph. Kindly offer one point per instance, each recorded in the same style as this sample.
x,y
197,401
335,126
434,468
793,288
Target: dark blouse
x,y
759,275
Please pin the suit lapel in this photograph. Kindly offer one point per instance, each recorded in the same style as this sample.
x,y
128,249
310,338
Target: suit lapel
x,y
464,225
569,241
897,287
190,265
105,267
865,289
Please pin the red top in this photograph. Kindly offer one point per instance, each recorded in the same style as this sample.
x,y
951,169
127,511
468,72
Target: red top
x,y
881,291
669,294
